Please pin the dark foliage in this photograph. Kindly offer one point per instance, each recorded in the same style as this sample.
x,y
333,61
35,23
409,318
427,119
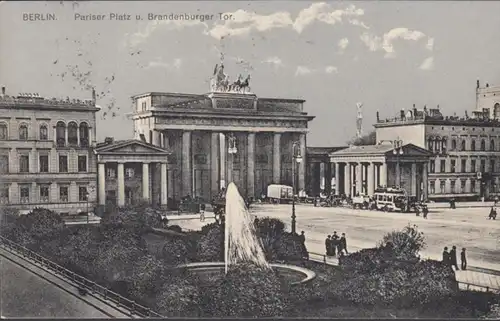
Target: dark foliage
x,y
277,244
140,217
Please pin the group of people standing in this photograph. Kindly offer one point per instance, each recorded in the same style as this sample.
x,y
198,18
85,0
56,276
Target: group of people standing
x,y
450,258
336,245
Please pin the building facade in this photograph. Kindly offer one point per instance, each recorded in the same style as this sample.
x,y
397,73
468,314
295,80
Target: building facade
x,y
46,152
224,136
488,100
465,162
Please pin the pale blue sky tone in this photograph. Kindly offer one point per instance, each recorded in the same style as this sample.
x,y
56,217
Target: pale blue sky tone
x,y
388,55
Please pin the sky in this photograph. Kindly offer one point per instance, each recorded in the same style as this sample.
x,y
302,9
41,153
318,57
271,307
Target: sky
x,y
385,55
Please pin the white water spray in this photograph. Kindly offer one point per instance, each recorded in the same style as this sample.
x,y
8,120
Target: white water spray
x,y
240,241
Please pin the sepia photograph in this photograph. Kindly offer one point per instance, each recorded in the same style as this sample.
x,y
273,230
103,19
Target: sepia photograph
x,y
249,159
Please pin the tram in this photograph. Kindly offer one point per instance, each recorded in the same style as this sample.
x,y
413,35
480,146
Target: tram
x,y
391,199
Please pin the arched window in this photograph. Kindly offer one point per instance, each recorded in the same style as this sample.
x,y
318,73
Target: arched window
x,y
72,134
444,144
61,134
431,144
23,132
44,132
483,145
492,145
84,134
473,145
463,145
4,134
453,144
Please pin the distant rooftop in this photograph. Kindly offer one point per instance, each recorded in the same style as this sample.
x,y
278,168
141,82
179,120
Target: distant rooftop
x,y
434,116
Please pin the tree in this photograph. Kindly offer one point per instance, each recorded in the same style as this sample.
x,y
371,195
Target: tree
x,y
368,139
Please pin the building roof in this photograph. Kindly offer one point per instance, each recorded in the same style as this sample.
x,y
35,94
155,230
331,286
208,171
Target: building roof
x,y
365,150
129,146
323,150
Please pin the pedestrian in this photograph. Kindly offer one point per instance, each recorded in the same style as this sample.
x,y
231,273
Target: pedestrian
x,y
202,213
493,213
302,238
328,245
446,256
417,210
463,259
343,242
256,222
335,241
453,257
425,211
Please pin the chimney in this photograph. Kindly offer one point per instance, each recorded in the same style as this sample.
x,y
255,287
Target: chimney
x,y
3,91
477,84
93,96
487,85
378,117
108,140
402,114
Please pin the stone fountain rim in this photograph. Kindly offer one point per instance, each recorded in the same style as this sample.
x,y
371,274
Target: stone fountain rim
x,y
309,274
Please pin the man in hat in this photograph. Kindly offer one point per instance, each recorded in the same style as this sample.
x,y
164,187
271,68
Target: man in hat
x,y
343,244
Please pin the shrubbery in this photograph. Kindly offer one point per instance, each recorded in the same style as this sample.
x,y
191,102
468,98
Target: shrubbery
x,y
406,243
277,244
140,217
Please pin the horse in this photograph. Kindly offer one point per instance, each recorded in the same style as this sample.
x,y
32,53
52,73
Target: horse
x,y
245,85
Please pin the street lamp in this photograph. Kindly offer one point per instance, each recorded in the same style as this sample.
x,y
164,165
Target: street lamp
x,y
231,150
398,151
296,158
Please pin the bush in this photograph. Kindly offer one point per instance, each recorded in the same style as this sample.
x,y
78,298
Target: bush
x,y
145,279
246,291
140,217
209,247
174,252
180,297
406,243
276,243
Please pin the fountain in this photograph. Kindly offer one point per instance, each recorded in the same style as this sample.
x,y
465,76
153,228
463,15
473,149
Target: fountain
x,y
241,244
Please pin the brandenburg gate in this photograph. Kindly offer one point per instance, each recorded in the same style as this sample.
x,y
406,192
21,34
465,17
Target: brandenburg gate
x,y
227,135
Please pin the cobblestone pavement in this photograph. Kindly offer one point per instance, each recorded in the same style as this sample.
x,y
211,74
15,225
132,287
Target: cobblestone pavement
x,y
463,227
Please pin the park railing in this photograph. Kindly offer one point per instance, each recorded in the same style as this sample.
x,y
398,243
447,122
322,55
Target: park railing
x,y
90,287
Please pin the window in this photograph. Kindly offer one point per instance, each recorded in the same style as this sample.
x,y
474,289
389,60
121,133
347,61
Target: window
x,y
23,132
473,145
63,193
462,186
44,193
82,193
61,134
444,145
84,135
452,165
483,166
72,134
442,187
129,172
24,164
44,163
432,167
463,166
492,166
463,145
4,195
432,187
4,164
472,185
453,144
483,145
24,192
44,132
110,173
63,164
473,165
492,145
442,166
431,145
82,163
4,134
453,185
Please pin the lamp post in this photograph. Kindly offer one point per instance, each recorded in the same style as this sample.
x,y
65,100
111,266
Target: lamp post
x,y
231,150
90,191
397,151
296,158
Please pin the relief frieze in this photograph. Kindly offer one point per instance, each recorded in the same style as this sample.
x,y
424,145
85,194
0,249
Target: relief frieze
x,y
234,122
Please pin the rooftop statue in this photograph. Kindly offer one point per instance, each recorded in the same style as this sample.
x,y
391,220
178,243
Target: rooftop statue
x,y
220,81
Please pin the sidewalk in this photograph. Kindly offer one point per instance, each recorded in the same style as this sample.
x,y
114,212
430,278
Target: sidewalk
x,y
461,204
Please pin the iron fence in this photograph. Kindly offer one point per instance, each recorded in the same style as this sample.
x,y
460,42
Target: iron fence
x,y
91,287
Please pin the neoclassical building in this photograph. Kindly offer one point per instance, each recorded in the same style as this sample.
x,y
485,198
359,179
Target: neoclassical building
x,y
46,152
222,136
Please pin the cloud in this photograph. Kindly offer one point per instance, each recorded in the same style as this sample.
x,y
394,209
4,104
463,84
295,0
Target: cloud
x,y
141,36
331,70
302,70
273,61
428,64
176,64
244,22
343,43
386,42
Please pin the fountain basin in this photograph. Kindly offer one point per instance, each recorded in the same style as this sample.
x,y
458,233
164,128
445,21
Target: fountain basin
x,y
293,274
